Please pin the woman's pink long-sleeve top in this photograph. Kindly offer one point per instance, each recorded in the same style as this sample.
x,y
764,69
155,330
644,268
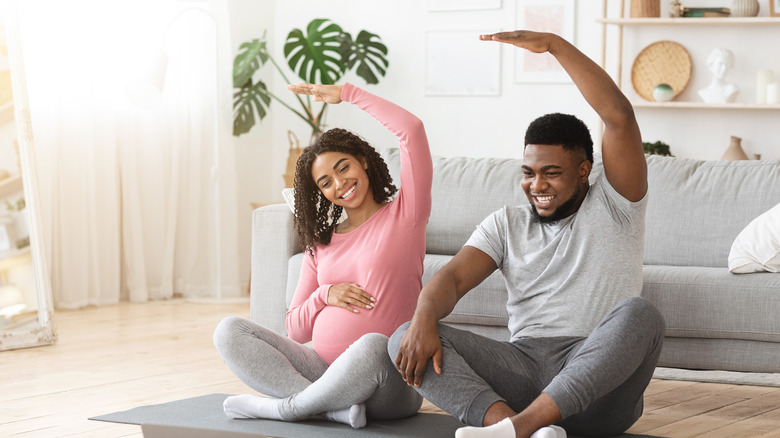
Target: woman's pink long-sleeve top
x,y
384,255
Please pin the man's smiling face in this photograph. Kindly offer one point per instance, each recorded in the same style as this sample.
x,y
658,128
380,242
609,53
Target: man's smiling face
x,y
554,180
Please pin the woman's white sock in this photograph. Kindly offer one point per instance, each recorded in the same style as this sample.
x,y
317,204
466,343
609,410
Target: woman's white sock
x,y
354,416
251,406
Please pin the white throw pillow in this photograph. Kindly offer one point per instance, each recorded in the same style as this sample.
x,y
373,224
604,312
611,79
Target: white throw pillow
x,y
289,197
757,247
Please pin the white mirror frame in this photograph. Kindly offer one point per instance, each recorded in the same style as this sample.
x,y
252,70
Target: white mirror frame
x,y
43,333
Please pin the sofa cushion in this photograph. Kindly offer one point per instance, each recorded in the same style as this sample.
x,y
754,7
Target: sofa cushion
x,y
465,191
483,305
700,302
697,208
757,247
720,354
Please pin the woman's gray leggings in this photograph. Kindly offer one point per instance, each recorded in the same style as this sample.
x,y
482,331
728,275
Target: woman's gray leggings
x,y
277,366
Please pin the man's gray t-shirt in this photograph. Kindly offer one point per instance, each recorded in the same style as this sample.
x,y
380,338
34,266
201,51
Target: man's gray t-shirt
x,y
564,277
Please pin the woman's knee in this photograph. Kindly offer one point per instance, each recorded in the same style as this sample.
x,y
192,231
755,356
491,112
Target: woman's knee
x,y
226,331
371,345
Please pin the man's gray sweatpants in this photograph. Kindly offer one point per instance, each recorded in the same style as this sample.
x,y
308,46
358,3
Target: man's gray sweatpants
x,y
597,382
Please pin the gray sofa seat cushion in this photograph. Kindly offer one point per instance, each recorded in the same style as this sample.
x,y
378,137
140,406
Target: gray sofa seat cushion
x,y
700,302
697,208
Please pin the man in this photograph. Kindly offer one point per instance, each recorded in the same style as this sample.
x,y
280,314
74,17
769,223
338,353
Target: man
x,y
583,343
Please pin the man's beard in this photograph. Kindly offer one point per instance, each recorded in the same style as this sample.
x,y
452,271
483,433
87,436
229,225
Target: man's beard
x,y
560,212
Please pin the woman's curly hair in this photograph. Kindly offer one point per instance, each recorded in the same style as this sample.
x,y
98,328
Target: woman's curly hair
x,y
315,216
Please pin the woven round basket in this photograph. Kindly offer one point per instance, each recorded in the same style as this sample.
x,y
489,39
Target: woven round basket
x,y
663,62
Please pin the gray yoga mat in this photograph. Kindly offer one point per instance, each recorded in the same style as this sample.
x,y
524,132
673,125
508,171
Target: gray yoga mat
x,y
205,412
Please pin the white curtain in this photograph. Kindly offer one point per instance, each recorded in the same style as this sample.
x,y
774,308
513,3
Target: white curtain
x,y
137,204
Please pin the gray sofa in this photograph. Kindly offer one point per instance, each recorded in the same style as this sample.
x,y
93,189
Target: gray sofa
x,y
716,320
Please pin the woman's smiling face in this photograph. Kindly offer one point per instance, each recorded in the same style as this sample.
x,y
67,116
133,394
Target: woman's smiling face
x,y
342,179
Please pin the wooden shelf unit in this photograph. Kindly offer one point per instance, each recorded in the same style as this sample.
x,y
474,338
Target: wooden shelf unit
x,y
627,22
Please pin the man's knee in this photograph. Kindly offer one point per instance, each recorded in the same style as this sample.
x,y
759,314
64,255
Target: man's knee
x,y
644,320
642,310
395,340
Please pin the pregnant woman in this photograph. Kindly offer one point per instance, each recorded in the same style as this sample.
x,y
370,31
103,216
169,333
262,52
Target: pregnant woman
x,y
359,280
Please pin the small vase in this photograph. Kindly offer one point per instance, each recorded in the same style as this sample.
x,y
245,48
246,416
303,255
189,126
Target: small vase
x,y
744,8
663,93
734,151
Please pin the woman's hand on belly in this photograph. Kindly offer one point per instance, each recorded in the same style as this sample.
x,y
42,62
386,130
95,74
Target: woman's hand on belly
x,y
350,296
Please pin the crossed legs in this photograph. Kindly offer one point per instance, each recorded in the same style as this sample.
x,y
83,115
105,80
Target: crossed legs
x,y
596,383
361,383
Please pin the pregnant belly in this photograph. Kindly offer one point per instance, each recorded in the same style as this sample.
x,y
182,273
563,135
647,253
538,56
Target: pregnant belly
x,y
336,329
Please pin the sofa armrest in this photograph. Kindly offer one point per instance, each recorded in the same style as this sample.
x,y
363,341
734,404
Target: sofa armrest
x,y
274,241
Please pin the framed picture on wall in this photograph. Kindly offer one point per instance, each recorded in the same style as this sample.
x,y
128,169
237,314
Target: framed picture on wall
x,y
774,8
556,16
457,63
462,5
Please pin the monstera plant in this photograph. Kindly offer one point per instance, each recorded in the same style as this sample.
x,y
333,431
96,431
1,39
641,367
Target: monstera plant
x,y
322,55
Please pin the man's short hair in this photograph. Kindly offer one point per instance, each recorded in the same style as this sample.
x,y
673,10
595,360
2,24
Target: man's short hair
x,y
561,130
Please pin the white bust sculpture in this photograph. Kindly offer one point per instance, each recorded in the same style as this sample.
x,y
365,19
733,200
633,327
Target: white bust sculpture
x,y
719,90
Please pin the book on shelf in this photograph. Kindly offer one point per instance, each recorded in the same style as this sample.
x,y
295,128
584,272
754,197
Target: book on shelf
x,y
706,12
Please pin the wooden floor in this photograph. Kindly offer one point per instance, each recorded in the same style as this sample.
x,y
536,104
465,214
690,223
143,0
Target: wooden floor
x,y
119,357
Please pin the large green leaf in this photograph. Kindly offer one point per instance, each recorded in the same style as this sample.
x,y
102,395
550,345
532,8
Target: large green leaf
x,y
251,56
367,53
315,56
247,101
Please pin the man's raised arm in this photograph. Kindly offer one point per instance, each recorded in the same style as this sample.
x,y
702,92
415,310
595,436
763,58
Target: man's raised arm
x,y
621,149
